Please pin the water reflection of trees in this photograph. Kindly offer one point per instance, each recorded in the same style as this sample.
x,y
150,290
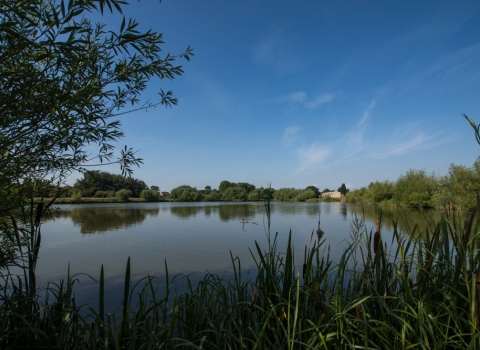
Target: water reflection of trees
x,y
184,212
99,220
292,209
405,218
234,212
225,212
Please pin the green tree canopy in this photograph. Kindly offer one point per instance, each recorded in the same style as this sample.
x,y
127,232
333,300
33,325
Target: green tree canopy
x,y
234,194
94,181
315,190
63,81
343,189
286,194
185,193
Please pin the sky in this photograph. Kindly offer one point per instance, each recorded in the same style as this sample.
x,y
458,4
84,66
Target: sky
x,y
293,94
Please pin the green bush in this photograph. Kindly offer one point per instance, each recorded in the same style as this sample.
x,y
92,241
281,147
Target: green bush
x,y
77,197
150,195
123,195
234,194
101,194
212,196
185,193
304,195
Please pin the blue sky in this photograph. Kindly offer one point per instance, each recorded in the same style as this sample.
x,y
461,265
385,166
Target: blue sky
x,y
309,92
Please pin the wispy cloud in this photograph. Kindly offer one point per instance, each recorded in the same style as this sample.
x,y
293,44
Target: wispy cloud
x,y
411,144
290,135
366,114
277,51
355,142
312,156
301,97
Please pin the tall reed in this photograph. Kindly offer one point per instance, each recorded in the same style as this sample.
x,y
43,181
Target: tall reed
x,y
421,293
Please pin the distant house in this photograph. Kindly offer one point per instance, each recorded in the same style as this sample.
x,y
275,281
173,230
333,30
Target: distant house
x,y
332,194
164,194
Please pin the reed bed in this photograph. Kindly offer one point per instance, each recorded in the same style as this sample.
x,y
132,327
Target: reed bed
x,y
421,293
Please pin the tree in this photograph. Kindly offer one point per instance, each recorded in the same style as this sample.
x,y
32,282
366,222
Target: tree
x,y
94,181
224,185
246,186
155,188
416,188
314,189
234,194
150,195
185,193
343,190
123,195
304,195
286,194
63,81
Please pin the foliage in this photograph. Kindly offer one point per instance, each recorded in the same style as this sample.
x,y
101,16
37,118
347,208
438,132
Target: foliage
x,y
63,78
212,196
413,295
261,194
185,193
104,194
343,189
380,192
305,195
123,195
356,196
456,190
286,194
76,197
150,195
315,190
415,188
224,185
234,194
94,181
475,127
245,186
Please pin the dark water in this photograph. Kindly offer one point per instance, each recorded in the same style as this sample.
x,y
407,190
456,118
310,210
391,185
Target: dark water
x,y
191,238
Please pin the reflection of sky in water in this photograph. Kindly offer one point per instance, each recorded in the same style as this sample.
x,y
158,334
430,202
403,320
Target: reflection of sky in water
x,y
191,237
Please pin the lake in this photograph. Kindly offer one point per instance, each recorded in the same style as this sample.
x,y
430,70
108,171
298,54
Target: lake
x,y
191,238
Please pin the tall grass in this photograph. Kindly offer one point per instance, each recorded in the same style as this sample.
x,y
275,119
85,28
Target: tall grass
x,y
421,293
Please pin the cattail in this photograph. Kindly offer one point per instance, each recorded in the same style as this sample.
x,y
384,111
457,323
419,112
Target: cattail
x,y
477,280
376,241
39,213
358,311
304,262
320,234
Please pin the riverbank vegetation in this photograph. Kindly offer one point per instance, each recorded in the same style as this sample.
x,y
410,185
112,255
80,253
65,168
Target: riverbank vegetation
x,y
418,291
455,190
243,191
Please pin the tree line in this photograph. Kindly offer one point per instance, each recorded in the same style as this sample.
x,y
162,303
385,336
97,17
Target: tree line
x,y
242,191
98,184
457,189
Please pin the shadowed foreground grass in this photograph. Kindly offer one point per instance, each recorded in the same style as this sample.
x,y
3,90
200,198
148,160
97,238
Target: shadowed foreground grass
x,y
423,293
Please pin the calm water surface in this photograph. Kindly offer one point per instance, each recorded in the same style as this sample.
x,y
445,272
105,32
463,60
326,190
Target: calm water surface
x,y
192,238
